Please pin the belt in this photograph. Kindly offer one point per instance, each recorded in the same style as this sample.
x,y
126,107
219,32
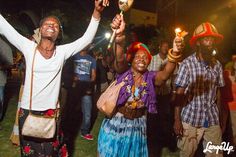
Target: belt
x,y
130,113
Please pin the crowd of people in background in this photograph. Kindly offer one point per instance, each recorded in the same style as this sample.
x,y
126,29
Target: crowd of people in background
x,y
175,102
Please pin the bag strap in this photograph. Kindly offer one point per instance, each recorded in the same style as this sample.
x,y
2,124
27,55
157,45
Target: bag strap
x,y
31,85
31,81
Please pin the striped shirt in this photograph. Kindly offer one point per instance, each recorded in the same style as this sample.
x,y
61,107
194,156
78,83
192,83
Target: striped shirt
x,y
201,83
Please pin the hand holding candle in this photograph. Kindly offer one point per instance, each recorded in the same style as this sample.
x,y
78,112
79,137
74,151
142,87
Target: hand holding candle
x,y
180,33
178,43
175,54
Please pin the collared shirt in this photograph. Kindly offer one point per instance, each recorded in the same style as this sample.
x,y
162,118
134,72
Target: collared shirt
x,y
157,64
201,83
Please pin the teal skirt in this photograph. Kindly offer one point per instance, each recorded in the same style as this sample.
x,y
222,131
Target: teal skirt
x,y
121,137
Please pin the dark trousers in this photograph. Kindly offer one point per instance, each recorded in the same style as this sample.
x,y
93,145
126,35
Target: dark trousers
x,y
160,127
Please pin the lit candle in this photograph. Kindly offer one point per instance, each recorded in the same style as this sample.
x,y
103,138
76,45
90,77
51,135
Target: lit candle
x,y
214,52
177,31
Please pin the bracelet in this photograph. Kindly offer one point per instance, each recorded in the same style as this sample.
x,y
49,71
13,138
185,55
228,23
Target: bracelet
x,y
170,59
173,58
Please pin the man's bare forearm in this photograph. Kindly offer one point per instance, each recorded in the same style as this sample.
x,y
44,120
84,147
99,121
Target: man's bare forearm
x,y
179,102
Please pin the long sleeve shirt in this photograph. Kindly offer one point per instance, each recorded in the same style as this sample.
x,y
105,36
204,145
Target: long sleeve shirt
x,y
46,72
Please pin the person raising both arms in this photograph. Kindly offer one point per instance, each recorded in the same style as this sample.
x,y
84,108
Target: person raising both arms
x,y
44,62
124,135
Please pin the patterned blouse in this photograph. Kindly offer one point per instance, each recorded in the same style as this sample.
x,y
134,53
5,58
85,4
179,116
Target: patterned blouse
x,y
146,90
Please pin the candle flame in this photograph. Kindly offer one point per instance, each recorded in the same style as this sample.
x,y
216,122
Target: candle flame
x,y
177,30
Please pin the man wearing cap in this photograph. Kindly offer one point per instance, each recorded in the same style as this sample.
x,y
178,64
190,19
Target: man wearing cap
x,y
198,81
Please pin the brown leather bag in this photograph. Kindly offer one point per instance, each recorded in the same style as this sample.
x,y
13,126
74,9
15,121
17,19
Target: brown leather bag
x,y
107,101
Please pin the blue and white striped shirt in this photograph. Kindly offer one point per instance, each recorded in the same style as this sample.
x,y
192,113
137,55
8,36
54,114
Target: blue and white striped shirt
x,y
201,83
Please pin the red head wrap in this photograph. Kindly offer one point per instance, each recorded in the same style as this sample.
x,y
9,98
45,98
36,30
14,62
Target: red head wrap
x,y
133,48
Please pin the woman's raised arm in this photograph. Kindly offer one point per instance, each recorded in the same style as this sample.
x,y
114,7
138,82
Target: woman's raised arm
x,y
87,38
118,24
174,56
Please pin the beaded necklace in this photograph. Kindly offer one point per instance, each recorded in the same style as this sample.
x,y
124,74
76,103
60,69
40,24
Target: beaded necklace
x,y
135,93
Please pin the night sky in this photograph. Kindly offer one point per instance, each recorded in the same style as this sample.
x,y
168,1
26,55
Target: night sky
x,y
188,9
190,13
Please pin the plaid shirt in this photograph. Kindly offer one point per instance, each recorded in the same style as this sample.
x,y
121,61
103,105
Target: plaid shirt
x,y
201,83
157,64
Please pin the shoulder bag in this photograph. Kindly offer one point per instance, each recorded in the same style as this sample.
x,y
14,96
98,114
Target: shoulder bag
x,y
107,101
39,126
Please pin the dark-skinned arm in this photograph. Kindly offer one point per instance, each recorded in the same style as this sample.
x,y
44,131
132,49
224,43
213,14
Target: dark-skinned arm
x,y
118,25
181,96
93,75
165,74
223,111
99,7
178,103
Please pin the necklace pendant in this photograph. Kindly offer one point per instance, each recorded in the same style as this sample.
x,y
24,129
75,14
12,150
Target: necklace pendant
x,y
134,105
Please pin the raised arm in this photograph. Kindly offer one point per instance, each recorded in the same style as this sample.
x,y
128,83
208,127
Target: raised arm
x,y
118,24
13,36
174,55
87,38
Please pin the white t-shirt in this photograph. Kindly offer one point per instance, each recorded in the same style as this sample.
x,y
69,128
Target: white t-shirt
x,y
47,72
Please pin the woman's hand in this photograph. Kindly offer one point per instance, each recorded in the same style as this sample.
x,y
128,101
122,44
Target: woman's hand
x,y
99,7
118,25
178,45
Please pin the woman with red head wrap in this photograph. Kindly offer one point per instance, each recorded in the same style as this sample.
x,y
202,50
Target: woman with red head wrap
x,y
133,48
124,135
